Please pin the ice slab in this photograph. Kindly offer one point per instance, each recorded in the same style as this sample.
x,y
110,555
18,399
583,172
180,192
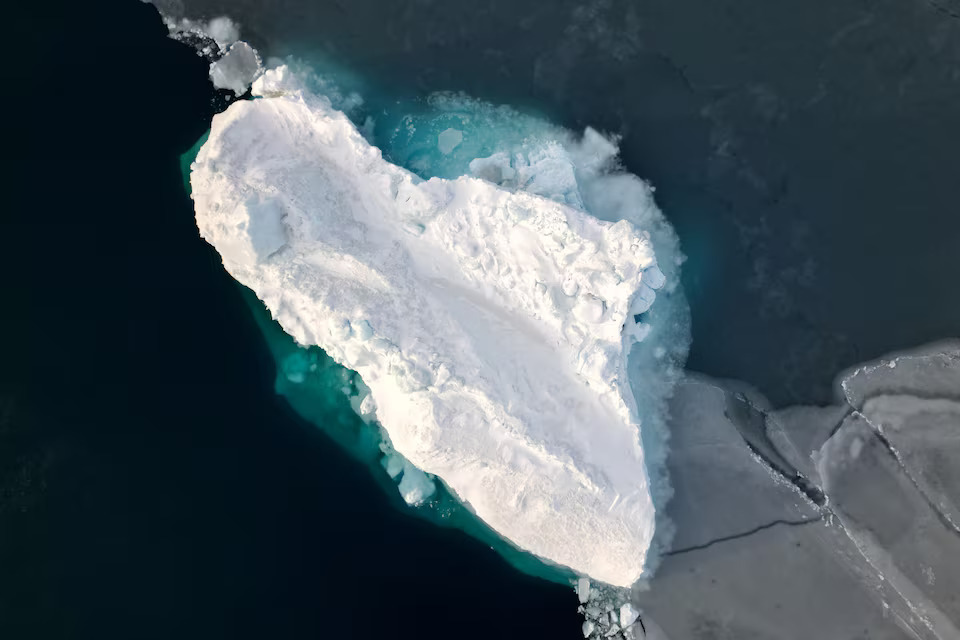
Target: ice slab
x,y
237,69
449,298
448,140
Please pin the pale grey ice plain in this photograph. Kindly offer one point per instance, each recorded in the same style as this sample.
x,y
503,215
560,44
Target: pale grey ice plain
x,y
815,522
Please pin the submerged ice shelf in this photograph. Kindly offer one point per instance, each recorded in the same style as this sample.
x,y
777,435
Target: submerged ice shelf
x,y
492,326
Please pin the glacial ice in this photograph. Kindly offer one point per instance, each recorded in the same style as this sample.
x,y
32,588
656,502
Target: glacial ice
x,y
491,325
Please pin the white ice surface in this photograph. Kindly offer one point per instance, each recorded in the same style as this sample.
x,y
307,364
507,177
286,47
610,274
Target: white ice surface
x,y
491,326
237,69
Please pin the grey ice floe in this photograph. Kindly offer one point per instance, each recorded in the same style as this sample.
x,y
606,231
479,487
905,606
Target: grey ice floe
x,y
754,554
237,69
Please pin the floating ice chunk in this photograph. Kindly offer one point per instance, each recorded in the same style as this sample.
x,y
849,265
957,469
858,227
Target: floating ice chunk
x,y
495,169
448,140
393,464
367,407
583,589
653,277
484,373
628,615
415,486
237,69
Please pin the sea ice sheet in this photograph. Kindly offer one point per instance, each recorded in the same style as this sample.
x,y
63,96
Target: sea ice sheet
x,y
492,326
754,554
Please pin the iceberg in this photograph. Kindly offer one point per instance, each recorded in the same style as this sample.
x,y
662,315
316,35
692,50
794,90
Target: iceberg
x,y
491,325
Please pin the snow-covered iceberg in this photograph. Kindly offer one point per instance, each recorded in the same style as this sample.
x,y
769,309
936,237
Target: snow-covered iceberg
x,y
492,326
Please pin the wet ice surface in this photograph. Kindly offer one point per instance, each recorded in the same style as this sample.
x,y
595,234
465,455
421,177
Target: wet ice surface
x,y
756,556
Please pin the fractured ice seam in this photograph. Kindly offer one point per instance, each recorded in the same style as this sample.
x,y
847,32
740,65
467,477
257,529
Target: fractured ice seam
x,y
745,534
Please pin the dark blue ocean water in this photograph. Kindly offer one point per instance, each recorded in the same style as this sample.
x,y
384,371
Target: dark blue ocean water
x,y
153,485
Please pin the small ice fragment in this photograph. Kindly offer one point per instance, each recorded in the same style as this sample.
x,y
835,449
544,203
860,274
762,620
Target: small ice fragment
x,y
587,628
628,615
393,464
448,140
583,590
368,406
643,298
237,69
415,486
653,277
